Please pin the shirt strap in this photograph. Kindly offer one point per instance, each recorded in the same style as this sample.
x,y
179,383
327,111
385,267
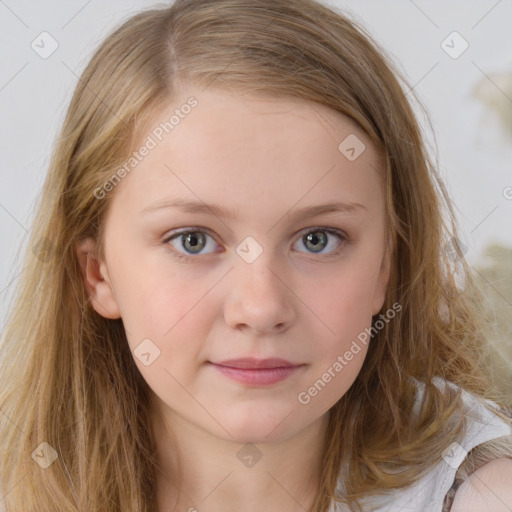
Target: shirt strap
x,y
477,457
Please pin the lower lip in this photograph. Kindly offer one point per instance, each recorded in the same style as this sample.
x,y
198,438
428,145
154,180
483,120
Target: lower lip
x,y
258,377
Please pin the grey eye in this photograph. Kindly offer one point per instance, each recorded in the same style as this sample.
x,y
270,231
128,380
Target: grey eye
x,y
315,240
193,242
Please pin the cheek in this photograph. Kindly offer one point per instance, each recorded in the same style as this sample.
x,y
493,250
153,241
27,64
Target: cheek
x,y
344,306
169,319
155,294
345,297
349,321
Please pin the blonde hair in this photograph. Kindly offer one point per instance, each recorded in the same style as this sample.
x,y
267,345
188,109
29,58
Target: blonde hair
x,y
67,376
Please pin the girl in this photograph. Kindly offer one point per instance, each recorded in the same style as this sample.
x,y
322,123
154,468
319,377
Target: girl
x,y
238,293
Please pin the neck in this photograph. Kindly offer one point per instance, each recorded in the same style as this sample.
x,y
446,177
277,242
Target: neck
x,y
221,475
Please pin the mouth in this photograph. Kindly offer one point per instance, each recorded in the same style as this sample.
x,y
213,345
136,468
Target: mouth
x,y
257,372
252,363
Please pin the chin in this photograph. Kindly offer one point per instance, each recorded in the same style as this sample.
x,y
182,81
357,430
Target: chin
x,y
259,428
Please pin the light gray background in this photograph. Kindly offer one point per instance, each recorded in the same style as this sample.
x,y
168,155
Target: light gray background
x,y
475,150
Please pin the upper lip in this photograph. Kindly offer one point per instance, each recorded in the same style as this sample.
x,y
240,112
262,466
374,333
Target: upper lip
x,y
254,363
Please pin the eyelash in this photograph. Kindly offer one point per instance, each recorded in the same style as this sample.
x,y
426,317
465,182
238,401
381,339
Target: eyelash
x,y
185,258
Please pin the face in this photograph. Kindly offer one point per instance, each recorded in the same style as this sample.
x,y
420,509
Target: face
x,y
274,278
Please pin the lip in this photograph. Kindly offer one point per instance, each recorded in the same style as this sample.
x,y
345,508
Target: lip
x,y
257,372
253,363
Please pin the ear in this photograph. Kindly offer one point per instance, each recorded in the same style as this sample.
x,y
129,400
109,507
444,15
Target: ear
x,y
382,280
96,280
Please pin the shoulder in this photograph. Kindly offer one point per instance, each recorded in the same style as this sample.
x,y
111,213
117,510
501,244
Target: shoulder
x,y
488,488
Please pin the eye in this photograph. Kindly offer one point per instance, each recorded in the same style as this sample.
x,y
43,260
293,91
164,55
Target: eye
x,y
192,241
316,239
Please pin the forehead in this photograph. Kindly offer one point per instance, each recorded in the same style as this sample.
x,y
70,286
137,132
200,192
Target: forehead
x,y
251,150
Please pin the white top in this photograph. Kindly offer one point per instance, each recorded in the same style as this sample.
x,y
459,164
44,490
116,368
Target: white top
x,y
428,493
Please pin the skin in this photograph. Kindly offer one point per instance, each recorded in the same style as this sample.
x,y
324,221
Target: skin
x,y
265,158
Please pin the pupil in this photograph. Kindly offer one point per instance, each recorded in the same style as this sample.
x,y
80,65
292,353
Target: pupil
x,y
192,240
313,237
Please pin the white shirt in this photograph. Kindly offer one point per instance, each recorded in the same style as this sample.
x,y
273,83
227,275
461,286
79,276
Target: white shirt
x,y
428,493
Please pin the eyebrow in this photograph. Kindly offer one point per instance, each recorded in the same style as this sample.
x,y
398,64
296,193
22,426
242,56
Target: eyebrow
x,y
220,211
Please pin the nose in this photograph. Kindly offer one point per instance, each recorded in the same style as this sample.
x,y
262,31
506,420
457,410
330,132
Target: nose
x,y
259,298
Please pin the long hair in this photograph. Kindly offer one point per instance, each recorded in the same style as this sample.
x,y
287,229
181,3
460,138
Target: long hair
x,y
70,393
